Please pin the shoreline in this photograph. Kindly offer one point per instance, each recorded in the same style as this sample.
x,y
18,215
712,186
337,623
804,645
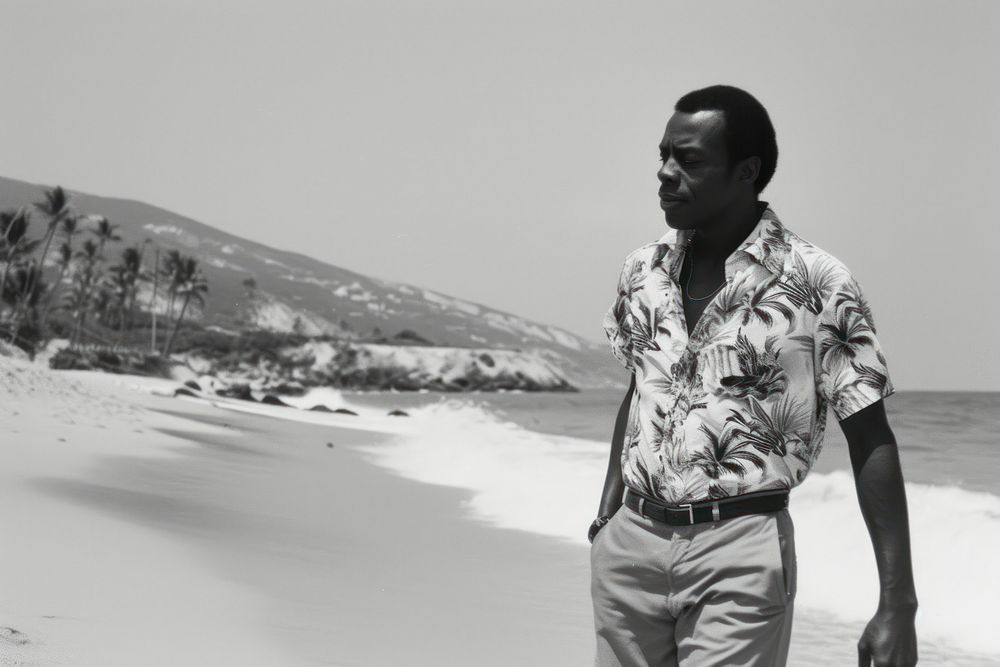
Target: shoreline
x,y
341,562
393,573
234,536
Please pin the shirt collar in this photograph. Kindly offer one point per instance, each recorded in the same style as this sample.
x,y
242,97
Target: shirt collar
x,y
767,243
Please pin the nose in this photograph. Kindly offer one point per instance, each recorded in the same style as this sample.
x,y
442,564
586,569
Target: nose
x,y
667,171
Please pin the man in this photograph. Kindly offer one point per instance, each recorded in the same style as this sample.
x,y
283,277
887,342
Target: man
x,y
738,334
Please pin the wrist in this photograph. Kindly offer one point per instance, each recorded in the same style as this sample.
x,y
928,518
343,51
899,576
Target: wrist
x,y
898,601
596,526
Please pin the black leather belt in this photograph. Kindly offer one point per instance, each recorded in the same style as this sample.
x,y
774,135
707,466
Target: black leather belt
x,y
707,510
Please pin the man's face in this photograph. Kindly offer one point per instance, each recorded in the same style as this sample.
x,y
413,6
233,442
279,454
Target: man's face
x,y
694,183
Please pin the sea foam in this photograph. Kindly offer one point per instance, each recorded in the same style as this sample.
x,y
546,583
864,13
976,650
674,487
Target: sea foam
x,y
550,484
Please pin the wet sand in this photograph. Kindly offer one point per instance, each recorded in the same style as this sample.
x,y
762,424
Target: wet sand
x,y
243,539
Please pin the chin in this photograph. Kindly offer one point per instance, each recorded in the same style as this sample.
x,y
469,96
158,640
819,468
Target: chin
x,y
673,222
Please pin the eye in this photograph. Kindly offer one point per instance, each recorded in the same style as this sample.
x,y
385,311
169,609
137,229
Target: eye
x,y
663,160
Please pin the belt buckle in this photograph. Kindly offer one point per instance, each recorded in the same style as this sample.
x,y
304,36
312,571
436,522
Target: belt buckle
x,y
690,512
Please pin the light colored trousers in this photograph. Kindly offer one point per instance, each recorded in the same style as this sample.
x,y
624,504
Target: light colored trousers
x,y
713,593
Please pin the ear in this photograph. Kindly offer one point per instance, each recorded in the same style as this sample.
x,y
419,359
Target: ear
x,y
749,169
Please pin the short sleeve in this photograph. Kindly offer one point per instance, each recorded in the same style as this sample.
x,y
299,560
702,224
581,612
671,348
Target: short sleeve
x,y
851,368
616,320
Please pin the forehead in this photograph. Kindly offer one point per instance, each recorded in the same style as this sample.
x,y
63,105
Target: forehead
x,y
701,129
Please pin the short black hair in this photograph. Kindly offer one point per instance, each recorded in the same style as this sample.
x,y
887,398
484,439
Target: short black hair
x,y
747,129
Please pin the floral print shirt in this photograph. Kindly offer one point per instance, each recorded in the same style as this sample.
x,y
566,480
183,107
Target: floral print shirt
x,y
740,405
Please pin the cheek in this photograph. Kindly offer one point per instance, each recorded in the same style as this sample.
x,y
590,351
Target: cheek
x,y
714,183
707,198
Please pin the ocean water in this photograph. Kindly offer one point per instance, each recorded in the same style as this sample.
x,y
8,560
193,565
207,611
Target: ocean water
x,y
515,451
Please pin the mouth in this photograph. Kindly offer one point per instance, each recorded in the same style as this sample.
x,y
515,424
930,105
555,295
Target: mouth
x,y
667,197
668,201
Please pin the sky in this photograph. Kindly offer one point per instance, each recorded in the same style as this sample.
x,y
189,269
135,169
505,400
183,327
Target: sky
x,y
505,152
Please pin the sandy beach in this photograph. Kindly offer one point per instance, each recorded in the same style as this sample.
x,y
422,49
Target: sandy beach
x,y
158,530
150,530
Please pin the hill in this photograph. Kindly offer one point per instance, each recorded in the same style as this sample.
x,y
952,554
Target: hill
x,y
294,291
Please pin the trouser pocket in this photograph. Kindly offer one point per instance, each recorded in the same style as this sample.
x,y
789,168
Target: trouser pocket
x,y
786,553
604,529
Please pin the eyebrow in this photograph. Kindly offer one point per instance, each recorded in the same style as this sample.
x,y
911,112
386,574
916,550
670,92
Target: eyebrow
x,y
690,148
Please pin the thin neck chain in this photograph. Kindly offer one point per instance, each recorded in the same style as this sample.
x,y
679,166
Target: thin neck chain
x,y
687,251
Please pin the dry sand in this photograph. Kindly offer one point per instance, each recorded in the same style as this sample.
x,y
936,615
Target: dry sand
x,y
149,530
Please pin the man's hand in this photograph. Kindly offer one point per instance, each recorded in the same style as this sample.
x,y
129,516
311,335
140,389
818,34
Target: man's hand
x,y
890,638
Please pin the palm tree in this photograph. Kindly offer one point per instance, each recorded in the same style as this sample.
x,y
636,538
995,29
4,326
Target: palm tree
x,y
14,244
101,300
69,229
74,301
105,232
171,266
56,207
65,255
132,268
123,283
190,283
26,287
152,298
118,286
86,277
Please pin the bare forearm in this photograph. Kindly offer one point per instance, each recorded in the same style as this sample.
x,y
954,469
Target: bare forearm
x,y
614,485
882,497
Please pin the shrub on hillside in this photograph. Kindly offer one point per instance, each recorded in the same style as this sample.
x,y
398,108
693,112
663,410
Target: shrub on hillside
x,y
250,346
110,361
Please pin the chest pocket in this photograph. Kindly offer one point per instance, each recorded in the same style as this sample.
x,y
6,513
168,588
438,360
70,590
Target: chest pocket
x,y
746,363
719,367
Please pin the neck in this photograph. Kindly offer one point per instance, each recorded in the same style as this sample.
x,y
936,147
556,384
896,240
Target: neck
x,y
717,241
